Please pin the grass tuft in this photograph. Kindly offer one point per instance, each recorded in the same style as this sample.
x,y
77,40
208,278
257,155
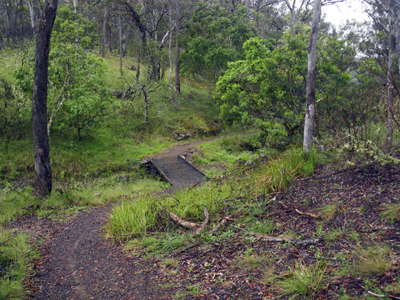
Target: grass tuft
x,y
304,281
391,212
373,260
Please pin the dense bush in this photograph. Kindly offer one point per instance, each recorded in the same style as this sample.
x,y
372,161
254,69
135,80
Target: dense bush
x,y
267,87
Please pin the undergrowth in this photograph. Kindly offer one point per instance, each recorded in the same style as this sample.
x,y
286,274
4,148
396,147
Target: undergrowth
x,y
15,258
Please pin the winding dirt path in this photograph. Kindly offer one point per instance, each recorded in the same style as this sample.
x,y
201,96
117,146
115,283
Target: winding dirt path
x,y
79,263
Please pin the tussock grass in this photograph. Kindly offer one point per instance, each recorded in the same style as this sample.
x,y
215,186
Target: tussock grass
x,y
373,260
132,219
390,212
304,281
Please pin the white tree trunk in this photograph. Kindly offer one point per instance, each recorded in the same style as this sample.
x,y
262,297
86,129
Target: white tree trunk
x,y
75,3
309,122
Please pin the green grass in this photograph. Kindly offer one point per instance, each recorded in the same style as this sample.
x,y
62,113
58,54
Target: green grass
x,y
9,59
225,152
15,258
373,260
390,212
304,281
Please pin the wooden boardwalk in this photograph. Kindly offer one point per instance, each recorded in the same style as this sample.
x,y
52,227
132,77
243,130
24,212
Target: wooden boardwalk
x,y
177,171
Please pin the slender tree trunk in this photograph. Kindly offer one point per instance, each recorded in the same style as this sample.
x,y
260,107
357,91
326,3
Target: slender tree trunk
x,y
103,49
178,68
178,50
390,90
120,45
170,43
309,122
146,104
75,3
39,99
33,7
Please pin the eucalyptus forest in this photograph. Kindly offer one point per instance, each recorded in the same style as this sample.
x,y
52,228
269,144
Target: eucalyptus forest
x,y
199,149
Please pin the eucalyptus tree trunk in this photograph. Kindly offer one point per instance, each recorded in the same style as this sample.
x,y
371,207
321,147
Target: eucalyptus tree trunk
x,y
39,99
178,50
103,48
309,123
121,50
390,86
178,68
75,3
171,25
33,13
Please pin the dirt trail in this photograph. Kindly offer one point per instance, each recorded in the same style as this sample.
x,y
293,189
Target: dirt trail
x,y
79,263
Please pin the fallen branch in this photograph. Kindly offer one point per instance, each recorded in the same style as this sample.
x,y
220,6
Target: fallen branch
x,y
198,228
204,224
305,242
183,222
308,214
382,296
222,223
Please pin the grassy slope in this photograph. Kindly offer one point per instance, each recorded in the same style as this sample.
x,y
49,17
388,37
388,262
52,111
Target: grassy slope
x,y
100,168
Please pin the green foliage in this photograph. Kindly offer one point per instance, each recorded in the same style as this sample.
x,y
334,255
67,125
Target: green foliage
x,y
214,37
77,97
304,281
267,88
14,111
74,28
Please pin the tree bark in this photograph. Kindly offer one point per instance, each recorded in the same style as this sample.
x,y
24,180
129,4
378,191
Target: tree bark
x,y
178,51
120,45
309,122
178,68
146,104
103,49
33,7
170,60
75,3
390,88
39,99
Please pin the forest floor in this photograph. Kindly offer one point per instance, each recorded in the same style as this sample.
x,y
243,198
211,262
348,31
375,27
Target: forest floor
x,y
330,221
